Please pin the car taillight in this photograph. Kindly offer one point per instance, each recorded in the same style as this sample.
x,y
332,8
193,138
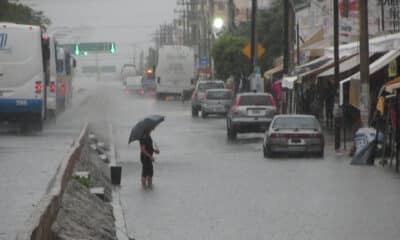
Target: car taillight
x,y
278,135
62,88
141,91
38,87
52,86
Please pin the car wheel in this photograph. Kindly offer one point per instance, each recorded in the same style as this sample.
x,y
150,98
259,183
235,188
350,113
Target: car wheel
x,y
321,153
267,152
203,114
233,134
195,112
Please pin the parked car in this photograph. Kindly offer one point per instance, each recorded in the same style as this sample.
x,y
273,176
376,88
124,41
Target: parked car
x,y
252,112
199,92
294,133
216,101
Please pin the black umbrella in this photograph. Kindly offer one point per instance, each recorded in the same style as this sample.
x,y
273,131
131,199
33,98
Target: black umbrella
x,y
366,155
149,122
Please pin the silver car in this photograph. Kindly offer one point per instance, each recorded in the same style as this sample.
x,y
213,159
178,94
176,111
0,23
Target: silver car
x,y
216,101
252,112
199,92
294,134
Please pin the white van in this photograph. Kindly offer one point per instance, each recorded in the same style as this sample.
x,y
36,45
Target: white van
x,y
24,56
134,84
175,70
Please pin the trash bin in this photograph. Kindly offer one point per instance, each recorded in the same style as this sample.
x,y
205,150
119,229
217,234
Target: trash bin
x,y
116,172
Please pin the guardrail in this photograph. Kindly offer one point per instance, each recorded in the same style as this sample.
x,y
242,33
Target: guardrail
x,y
38,225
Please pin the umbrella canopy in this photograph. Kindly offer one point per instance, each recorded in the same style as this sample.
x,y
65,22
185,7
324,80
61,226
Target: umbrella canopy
x,y
139,129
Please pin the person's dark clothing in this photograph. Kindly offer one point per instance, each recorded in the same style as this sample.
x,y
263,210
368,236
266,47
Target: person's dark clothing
x,y
147,164
329,103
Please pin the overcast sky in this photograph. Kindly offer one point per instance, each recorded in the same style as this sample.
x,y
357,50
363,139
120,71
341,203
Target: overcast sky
x,y
127,22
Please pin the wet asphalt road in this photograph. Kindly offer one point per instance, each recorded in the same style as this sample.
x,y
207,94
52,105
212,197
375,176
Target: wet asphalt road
x,y
209,188
28,162
205,186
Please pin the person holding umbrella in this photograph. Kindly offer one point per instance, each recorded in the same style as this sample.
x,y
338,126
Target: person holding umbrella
x,y
146,158
142,132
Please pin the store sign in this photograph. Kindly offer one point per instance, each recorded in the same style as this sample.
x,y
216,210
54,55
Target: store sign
x,y
393,7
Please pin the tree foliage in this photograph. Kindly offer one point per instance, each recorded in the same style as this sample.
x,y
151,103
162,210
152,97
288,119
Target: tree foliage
x,y
228,56
269,32
18,13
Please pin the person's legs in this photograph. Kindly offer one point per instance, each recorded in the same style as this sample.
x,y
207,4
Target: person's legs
x,y
149,181
149,177
143,182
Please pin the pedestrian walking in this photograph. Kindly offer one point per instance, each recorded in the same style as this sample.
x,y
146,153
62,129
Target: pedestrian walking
x,y
337,114
329,102
147,150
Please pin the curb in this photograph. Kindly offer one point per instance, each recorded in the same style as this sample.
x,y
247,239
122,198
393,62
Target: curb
x,y
38,225
118,211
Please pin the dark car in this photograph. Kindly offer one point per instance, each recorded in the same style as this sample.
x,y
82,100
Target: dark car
x,y
252,112
294,134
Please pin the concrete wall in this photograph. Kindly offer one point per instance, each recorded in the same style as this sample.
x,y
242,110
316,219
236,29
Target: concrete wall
x,y
38,226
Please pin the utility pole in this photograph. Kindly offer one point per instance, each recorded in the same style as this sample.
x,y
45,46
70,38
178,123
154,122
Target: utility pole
x,y
231,15
336,61
286,57
364,64
336,39
298,42
382,14
253,48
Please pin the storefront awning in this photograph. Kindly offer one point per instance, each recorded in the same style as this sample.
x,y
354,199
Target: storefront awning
x,y
273,70
312,66
354,80
344,66
378,44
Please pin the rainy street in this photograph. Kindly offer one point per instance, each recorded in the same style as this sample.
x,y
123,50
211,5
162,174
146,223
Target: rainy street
x,y
209,188
113,63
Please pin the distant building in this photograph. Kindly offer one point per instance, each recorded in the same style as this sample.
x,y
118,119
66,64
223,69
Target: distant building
x,y
315,19
243,9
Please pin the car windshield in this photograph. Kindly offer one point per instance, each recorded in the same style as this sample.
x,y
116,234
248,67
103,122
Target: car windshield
x,y
218,95
296,123
255,100
210,85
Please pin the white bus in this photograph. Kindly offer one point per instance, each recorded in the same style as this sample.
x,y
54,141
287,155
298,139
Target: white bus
x,y
24,57
52,86
175,70
65,65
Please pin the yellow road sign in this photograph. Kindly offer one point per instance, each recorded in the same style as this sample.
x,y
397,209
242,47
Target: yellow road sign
x,y
260,50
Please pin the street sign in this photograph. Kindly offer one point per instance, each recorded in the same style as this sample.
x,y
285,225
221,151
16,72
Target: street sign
x,y
84,48
203,61
260,50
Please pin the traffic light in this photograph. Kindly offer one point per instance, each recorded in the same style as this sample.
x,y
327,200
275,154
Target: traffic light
x,y
77,50
112,49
